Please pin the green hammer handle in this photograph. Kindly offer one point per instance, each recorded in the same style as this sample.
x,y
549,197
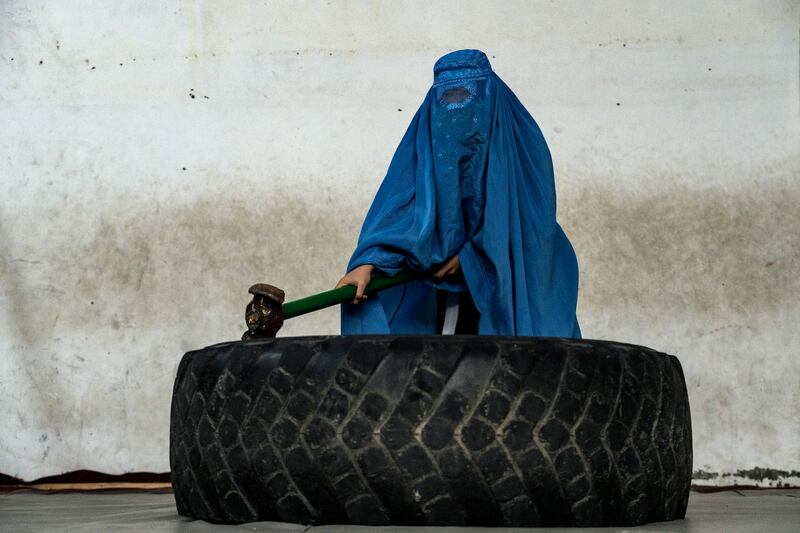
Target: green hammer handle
x,y
345,294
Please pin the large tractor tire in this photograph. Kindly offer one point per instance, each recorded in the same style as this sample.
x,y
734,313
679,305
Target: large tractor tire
x,y
431,430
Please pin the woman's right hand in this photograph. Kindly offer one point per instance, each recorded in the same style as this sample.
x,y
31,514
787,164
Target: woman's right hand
x,y
360,278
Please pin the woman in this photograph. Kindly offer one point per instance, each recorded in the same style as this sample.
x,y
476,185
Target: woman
x,y
469,197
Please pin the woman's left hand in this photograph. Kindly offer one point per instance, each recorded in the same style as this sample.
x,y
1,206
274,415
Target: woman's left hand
x,y
452,266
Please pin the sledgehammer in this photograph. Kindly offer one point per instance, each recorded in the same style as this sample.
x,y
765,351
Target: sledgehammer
x,y
266,312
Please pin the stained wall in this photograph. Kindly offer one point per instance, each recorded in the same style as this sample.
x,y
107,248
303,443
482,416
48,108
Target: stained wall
x,y
156,158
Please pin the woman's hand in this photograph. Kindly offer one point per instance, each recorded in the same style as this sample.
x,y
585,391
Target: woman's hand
x,y
452,266
359,277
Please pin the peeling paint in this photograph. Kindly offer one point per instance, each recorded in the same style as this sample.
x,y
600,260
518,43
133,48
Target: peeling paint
x,y
758,477
761,474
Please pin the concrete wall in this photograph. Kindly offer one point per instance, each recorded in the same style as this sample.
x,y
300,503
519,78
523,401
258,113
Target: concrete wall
x,y
157,158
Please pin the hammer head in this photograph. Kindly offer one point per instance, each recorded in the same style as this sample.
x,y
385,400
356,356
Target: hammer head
x,y
264,313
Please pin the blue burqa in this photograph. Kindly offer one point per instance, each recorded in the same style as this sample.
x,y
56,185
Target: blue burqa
x,y
472,176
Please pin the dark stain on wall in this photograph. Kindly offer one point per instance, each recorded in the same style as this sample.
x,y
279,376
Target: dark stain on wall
x,y
157,265
696,250
681,249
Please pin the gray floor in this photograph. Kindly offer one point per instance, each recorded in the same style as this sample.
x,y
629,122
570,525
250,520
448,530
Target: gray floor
x,y
774,511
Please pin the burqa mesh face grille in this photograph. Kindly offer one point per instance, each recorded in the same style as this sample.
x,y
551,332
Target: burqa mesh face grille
x,y
456,94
